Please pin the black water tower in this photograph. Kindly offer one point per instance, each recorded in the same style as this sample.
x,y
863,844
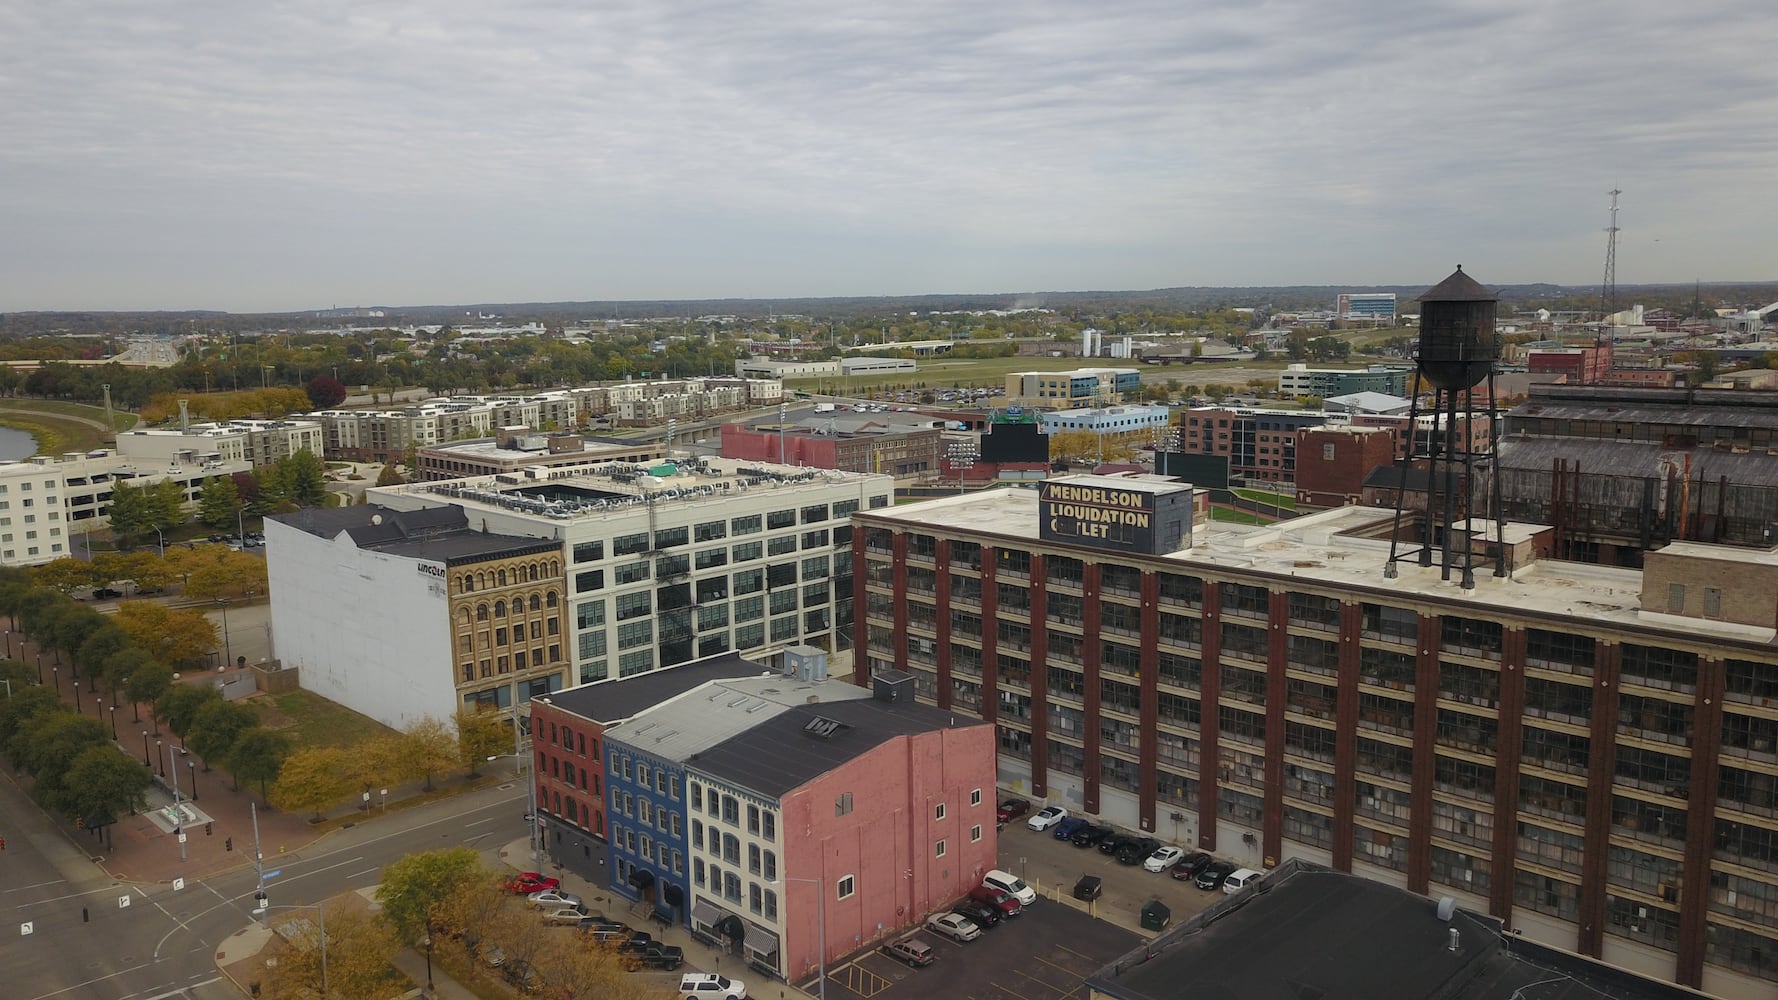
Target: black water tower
x,y
1458,346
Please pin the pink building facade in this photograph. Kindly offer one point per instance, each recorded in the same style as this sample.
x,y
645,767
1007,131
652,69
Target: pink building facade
x,y
900,824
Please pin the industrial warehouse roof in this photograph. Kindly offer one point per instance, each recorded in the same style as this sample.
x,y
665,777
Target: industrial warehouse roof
x,y
1636,411
801,744
621,698
1640,458
1310,932
1344,549
438,533
713,712
1366,402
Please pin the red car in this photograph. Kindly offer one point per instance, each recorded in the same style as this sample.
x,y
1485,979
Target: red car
x,y
990,896
525,883
1010,810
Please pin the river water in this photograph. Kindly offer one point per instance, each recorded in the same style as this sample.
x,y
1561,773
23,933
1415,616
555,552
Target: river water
x,y
16,445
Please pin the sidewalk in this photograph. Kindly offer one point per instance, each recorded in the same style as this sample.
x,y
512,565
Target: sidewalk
x,y
699,957
217,821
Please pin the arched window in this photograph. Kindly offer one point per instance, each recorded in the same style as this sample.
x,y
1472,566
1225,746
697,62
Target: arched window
x,y
499,609
481,612
549,599
536,603
533,572
465,616
500,579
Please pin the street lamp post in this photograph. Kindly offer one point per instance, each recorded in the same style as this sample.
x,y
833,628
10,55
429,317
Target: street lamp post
x,y
39,660
227,650
163,537
191,770
179,829
820,884
77,696
158,759
145,761
113,710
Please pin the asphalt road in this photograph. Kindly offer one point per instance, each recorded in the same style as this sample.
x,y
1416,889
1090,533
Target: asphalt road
x,y
85,943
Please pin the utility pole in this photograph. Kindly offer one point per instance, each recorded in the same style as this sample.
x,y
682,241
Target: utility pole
x,y
1608,288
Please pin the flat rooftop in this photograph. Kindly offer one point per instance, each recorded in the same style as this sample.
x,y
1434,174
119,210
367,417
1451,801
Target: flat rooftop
x,y
1310,932
619,698
487,448
716,710
1327,549
603,489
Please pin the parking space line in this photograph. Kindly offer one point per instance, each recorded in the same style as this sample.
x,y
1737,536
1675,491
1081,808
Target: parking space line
x,y
859,980
1065,968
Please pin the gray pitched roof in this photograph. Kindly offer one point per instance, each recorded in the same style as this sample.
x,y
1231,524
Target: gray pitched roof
x,y
790,749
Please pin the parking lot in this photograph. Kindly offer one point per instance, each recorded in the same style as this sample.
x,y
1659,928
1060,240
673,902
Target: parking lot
x,y
1043,954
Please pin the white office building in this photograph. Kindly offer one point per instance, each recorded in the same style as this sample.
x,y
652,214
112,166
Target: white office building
x,y
676,563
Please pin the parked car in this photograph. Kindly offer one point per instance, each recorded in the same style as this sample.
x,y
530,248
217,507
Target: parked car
x,y
1091,834
1189,866
665,957
600,929
526,883
493,956
709,986
1066,829
999,899
915,952
1047,817
984,915
955,926
1240,879
1010,810
552,898
106,593
1115,842
523,977
638,941
1136,849
1213,875
1011,885
1088,888
1163,858
571,915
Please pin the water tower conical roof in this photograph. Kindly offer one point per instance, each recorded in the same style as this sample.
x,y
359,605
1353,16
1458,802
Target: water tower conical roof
x,y
1459,287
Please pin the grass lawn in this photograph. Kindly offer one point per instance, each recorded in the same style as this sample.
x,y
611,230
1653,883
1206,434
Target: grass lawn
x,y
61,426
1282,501
311,720
1236,516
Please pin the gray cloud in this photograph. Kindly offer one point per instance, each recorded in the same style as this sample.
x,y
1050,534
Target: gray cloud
x,y
287,155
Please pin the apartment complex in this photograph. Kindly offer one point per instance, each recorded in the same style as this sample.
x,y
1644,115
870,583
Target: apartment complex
x,y
669,564
1588,753
47,503
896,445
512,450
255,442
464,618
1080,388
1260,444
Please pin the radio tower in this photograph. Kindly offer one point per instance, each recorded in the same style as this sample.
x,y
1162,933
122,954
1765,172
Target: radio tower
x,y
1608,289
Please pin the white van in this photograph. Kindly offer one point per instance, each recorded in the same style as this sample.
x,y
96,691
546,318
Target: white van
x,y
1012,885
1240,879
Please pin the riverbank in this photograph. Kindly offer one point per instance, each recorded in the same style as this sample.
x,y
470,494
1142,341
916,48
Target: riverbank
x,y
58,427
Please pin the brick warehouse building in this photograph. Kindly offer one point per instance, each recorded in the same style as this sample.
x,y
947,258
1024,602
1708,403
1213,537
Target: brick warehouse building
x,y
1585,752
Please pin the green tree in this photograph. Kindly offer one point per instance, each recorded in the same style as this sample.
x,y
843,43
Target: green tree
x,y
390,476
27,703
413,888
299,478
46,744
132,511
431,747
216,726
257,756
481,733
312,779
219,506
100,645
145,679
102,783
168,504
179,706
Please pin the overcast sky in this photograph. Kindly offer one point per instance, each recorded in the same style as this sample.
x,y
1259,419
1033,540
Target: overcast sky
x,y
271,155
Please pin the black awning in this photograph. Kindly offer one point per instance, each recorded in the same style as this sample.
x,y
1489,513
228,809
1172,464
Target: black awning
x,y
731,927
672,895
641,878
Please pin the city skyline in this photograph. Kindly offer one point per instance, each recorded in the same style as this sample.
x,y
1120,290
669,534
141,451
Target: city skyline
x,y
253,159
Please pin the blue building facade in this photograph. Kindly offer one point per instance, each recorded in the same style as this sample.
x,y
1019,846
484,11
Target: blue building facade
x,y
1106,420
646,820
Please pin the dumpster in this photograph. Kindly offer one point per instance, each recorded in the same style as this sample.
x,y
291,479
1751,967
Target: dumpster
x,y
1155,915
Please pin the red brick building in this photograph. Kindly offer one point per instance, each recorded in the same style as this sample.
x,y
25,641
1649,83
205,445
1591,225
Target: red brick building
x,y
1332,463
1581,365
891,451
